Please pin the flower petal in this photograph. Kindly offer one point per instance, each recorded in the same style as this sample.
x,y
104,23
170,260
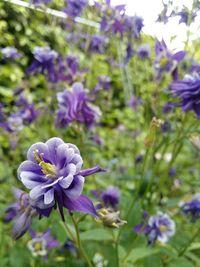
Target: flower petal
x,y
49,197
82,204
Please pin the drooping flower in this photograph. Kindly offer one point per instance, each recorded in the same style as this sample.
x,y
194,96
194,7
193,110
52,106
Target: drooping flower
x,y
143,51
76,106
10,53
41,243
21,212
108,198
188,91
44,59
192,207
54,176
166,61
75,7
158,228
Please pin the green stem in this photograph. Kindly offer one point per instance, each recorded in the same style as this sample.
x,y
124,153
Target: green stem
x,y
116,249
80,247
181,253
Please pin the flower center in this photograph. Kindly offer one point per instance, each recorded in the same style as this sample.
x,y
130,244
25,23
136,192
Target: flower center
x,y
164,61
163,228
47,168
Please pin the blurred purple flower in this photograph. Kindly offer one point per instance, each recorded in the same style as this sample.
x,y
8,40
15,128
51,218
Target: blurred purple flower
x,y
97,44
109,198
192,207
39,2
21,212
10,53
104,82
53,173
166,61
159,227
188,90
44,59
143,51
76,106
42,243
172,172
75,7
134,102
168,107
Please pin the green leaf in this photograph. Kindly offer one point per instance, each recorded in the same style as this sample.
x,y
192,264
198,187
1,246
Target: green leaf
x,y
97,235
180,262
140,253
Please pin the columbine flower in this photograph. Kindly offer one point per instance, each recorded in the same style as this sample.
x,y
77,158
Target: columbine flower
x,y
75,7
44,59
21,212
109,198
75,106
166,61
97,44
143,51
53,173
192,207
10,53
41,243
159,227
188,90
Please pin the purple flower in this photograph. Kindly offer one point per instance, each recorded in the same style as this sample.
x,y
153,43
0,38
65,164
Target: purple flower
x,y
192,207
168,107
10,53
188,91
21,212
104,82
159,227
134,25
75,7
166,61
143,51
172,172
112,18
75,106
134,102
42,243
44,59
185,16
109,198
39,2
97,44
53,174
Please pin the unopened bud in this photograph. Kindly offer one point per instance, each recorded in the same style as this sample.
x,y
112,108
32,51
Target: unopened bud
x,y
110,218
195,141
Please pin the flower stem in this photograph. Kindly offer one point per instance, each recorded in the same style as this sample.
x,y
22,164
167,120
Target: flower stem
x,y
181,253
80,247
